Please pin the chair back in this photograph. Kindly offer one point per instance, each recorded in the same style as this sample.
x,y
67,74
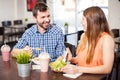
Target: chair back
x,y
30,25
114,74
71,47
6,23
79,33
115,32
17,22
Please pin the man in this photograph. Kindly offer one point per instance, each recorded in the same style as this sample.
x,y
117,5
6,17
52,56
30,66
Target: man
x,y
48,37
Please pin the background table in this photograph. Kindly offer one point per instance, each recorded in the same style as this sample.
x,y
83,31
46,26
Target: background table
x,y
8,71
117,41
14,32
117,57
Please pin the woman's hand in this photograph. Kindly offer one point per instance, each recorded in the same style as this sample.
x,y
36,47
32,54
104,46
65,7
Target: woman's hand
x,y
70,69
68,57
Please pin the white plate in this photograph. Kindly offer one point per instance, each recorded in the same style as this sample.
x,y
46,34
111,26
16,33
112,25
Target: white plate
x,y
72,75
36,67
36,60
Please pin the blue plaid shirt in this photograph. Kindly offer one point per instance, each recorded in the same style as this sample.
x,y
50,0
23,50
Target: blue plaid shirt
x,y
52,40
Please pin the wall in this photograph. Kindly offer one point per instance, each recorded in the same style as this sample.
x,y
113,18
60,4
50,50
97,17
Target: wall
x,y
16,9
114,13
22,12
7,10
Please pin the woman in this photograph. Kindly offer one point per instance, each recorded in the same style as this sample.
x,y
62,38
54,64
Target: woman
x,y
95,52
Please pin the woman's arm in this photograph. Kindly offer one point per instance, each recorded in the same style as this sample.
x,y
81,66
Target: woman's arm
x,y
108,59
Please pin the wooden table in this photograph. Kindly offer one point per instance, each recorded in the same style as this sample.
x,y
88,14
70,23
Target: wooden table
x,y
8,71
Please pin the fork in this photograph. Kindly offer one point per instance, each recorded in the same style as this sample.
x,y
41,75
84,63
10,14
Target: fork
x,y
37,48
64,59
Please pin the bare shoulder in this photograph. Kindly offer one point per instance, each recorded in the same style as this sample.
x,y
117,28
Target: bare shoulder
x,y
108,44
108,39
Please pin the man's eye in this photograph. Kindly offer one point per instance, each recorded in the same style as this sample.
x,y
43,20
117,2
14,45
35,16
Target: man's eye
x,y
43,17
48,16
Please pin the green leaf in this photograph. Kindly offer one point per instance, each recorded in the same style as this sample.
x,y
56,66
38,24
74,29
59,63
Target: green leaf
x,y
57,65
23,57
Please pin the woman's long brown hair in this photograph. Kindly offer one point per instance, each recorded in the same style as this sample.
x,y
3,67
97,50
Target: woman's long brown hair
x,y
96,24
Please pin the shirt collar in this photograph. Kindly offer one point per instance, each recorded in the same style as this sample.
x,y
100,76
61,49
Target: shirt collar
x,y
48,29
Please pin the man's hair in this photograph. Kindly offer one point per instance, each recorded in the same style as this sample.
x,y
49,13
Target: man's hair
x,y
40,6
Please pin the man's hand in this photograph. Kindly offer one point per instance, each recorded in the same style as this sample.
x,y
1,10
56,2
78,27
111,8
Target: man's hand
x,y
28,49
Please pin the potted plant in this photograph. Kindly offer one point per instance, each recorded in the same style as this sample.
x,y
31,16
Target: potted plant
x,y
23,63
66,27
26,21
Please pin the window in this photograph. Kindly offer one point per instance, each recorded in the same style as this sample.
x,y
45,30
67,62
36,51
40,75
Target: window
x,y
71,11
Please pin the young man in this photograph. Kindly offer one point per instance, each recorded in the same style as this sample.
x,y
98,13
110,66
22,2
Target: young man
x,y
48,37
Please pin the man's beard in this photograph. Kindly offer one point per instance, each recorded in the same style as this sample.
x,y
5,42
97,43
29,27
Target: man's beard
x,y
41,25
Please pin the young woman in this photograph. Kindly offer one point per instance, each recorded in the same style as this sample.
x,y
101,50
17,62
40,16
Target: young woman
x,y
95,52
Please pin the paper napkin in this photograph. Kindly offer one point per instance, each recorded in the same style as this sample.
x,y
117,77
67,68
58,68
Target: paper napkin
x,y
72,75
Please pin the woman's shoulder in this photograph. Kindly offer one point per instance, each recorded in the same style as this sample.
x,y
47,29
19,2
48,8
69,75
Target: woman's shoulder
x,y
106,35
107,38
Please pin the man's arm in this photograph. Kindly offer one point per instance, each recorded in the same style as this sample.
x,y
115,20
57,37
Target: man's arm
x,y
16,51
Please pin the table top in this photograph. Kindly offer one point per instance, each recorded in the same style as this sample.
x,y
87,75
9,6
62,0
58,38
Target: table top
x,y
8,71
16,26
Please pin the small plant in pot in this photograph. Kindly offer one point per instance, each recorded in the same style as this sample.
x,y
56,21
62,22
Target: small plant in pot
x,y
23,63
66,27
26,21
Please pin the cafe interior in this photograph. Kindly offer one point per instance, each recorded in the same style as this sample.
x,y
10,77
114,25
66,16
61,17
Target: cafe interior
x,y
16,17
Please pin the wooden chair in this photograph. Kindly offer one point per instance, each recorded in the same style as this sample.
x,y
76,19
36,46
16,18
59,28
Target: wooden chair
x,y
17,22
72,48
79,33
115,32
7,32
6,23
115,70
18,32
30,25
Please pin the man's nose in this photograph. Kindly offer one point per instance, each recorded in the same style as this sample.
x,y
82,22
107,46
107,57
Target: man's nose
x,y
47,19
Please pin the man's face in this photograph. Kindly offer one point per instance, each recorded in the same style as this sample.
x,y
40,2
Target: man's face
x,y
43,19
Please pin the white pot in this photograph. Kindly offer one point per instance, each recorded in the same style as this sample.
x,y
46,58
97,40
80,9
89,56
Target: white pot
x,y
66,29
24,69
